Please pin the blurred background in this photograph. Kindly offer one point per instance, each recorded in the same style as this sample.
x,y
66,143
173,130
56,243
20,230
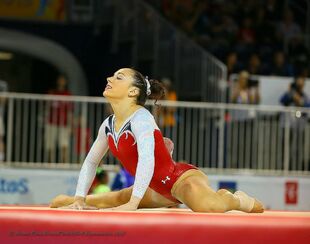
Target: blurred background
x,y
236,75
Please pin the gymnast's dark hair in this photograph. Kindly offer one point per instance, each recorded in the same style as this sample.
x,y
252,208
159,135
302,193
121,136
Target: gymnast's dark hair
x,y
140,81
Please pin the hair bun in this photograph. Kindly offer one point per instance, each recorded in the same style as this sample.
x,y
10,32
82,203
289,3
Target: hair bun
x,y
158,90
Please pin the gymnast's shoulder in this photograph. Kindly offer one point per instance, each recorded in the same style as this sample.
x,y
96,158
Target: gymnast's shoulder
x,y
143,116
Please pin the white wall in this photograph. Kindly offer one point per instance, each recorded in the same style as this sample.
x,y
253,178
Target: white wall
x,y
271,191
27,186
273,87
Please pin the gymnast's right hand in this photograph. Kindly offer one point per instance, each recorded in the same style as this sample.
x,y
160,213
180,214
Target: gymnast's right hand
x,y
79,204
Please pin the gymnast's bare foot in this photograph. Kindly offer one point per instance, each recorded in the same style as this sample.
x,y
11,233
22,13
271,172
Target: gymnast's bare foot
x,y
248,204
258,207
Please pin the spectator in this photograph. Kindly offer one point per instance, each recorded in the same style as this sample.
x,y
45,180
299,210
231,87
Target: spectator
x,y
82,135
231,27
246,33
288,28
243,93
296,96
214,24
198,15
202,24
280,67
224,32
59,120
181,12
305,71
232,63
246,9
102,179
265,36
254,66
167,117
273,10
299,54
122,180
264,29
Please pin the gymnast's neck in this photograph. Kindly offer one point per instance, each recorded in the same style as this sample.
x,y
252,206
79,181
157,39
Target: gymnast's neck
x,y
122,109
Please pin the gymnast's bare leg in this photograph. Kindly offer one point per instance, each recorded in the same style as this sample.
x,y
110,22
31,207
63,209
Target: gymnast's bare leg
x,y
151,199
193,189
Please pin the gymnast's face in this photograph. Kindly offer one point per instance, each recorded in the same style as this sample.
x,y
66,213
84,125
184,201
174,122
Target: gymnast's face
x,y
120,85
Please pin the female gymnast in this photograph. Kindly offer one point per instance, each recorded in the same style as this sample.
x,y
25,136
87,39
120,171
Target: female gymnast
x,y
135,140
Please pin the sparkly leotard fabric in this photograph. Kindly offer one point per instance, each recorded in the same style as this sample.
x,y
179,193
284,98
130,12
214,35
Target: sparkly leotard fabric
x,y
140,147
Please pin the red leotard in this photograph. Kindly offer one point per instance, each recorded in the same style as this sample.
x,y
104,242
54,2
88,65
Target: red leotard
x,y
166,171
138,143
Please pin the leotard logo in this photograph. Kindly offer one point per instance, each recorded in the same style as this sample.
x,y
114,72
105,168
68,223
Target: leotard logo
x,y
164,181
